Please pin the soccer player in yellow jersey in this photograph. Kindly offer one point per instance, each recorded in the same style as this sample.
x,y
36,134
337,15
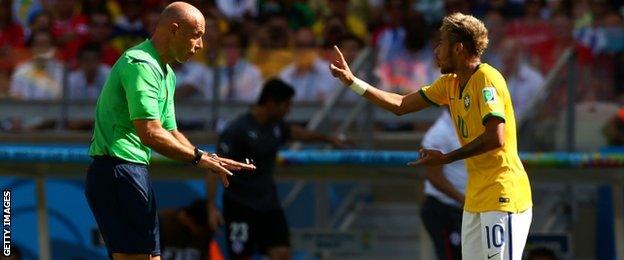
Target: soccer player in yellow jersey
x,y
498,208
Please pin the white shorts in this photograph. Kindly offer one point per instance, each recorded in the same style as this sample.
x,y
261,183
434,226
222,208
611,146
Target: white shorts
x,y
495,234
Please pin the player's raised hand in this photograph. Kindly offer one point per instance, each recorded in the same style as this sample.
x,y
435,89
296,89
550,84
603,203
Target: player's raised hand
x,y
340,68
430,157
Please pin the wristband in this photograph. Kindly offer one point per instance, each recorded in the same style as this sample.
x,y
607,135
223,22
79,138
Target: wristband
x,y
198,156
359,86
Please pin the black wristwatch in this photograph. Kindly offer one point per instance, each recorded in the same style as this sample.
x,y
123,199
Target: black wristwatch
x,y
198,155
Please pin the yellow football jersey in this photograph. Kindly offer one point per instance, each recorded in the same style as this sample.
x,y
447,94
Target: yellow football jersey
x,y
497,180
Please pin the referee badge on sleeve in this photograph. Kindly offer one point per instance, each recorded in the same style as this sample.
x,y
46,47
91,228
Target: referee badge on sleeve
x,y
489,94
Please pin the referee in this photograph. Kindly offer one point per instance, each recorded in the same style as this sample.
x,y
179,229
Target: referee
x,y
134,113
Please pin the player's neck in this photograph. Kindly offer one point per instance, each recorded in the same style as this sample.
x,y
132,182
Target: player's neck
x,y
466,71
260,115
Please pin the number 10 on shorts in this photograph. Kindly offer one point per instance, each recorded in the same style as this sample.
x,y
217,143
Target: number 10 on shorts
x,y
494,236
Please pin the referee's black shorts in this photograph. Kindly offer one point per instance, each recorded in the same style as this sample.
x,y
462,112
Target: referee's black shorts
x,y
122,201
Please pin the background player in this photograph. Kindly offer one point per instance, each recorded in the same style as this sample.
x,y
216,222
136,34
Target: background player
x,y
134,113
254,218
497,212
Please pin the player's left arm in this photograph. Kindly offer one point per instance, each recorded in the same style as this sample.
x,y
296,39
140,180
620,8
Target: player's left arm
x,y
491,108
299,133
492,138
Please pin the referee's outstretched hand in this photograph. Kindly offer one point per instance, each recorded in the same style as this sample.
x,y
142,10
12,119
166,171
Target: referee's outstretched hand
x,y
340,68
430,157
223,166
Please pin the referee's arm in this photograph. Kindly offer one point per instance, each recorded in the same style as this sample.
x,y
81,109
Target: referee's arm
x,y
152,134
181,138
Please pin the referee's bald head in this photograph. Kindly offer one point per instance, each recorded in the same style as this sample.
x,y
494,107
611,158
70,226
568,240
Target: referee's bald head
x,y
179,31
180,12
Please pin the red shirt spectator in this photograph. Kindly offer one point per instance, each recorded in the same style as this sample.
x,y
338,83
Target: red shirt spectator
x,y
11,33
69,29
546,53
531,30
100,31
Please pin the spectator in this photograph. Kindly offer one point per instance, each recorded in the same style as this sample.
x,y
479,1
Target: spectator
x,y
41,77
89,7
614,129
11,33
100,30
41,21
236,10
523,80
150,19
495,22
193,81
24,11
334,31
390,40
547,53
309,74
338,8
184,233
87,81
69,28
240,80
531,30
350,46
11,40
410,67
297,13
270,48
128,29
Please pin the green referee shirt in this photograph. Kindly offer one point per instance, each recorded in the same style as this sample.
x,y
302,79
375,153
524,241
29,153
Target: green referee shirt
x,y
140,86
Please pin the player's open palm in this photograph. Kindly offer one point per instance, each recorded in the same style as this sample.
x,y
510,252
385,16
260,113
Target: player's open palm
x,y
430,157
340,68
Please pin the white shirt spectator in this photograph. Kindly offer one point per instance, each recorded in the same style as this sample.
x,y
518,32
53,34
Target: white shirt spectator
x,y
442,137
32,83
391,44
236,9
312,85
242,82
79,88
198,76
523,86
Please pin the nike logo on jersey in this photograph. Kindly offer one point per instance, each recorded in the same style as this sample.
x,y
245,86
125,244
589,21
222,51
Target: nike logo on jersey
x,y
490,256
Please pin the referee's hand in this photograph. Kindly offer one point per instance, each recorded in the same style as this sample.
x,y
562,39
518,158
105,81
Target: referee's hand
x,y
223,166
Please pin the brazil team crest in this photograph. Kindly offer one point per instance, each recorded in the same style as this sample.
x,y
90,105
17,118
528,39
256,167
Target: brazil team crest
x,y
467,101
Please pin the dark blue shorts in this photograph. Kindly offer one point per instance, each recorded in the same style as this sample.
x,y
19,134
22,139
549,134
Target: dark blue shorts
x,y
122,201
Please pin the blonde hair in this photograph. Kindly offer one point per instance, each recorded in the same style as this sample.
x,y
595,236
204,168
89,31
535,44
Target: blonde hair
x,y
468,30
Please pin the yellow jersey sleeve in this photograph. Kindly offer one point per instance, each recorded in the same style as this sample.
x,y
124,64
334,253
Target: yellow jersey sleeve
x,y
437,93
491,101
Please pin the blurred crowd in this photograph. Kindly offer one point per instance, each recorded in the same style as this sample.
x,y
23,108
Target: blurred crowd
x,y
51,48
